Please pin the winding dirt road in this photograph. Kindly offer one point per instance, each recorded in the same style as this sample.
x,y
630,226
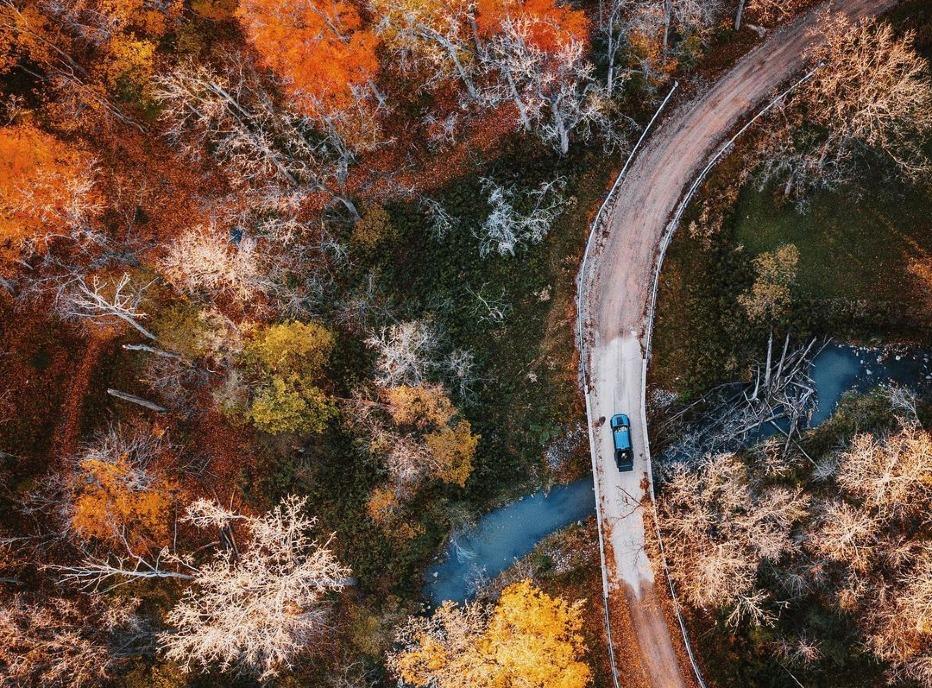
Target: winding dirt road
x,y
616,292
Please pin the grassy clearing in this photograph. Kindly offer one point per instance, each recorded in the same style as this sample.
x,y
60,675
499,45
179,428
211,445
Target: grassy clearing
x,y
856,277
850,248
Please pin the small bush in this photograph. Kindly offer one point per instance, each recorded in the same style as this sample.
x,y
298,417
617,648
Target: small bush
x,y
291,405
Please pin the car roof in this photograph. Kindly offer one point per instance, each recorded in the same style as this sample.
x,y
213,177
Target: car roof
x,y
622,436
621,417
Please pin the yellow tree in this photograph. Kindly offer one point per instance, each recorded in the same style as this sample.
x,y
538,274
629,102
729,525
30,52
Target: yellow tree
x,y
770,295
527,639
294,347
420,406
426,442
289,358
452,449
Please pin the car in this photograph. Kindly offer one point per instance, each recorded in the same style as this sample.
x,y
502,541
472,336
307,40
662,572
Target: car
x,y
621,433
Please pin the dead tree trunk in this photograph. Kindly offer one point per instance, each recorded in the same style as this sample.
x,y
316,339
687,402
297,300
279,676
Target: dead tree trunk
x,y
738,15
139,401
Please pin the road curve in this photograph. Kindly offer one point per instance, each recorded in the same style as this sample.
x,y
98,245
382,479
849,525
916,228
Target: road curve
x,y
615,294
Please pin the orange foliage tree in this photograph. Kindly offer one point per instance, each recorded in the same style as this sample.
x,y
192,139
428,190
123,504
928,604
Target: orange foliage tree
x,y
553,25
320,48
114,497
116,489
45,189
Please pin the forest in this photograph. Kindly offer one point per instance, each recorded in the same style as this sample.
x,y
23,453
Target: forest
x,y
287,298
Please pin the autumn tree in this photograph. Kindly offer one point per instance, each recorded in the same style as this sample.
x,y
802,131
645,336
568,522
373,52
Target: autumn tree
x,y
870,93
767,11
722,529
374,227
770,295
58,642
420,407
117,490
320,48
46,192
527,638
90,54
292,347
452,448
255,608
417,433
286,363
889,474
874,90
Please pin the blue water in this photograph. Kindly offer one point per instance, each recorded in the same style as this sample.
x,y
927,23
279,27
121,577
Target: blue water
x,y
504,535
840,368
512,531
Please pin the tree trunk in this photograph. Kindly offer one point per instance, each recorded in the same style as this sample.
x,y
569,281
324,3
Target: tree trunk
x,y
738,15
132,398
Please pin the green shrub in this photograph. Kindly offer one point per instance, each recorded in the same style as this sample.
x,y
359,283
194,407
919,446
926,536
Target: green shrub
x,y
180,328
374,227
291,404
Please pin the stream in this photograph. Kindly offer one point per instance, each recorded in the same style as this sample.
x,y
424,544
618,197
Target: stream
x,y
482,551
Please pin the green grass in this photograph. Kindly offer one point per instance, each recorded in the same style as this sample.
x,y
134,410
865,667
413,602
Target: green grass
x,y
854,279
849,248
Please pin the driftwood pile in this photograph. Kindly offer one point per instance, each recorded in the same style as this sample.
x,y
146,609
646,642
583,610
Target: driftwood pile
x,y
779,401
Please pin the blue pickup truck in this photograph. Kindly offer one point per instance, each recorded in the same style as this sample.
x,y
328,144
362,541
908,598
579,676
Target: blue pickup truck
x,y
621,433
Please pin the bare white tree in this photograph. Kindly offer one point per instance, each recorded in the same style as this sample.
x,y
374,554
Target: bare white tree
x,y
202,260
406,353
441,222
696,16
554,93
104,573
506,228
234,116
105,301
613,30
441,44
256,610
